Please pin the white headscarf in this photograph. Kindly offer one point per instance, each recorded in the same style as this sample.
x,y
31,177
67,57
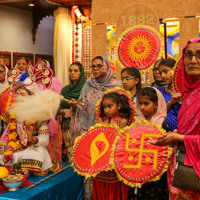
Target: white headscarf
x,y
5,83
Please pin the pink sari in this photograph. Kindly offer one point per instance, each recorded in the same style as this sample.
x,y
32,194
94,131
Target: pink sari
x,y
188,125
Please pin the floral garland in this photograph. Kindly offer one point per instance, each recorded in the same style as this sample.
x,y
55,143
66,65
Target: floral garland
x,y
13,144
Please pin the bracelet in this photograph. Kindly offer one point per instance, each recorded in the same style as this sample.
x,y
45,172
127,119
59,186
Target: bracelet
x,y
35,140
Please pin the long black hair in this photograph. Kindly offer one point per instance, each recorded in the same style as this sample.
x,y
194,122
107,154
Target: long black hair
x,y
150,93
122,99
132,71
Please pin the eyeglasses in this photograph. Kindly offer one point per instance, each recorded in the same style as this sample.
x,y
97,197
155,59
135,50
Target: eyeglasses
x,y
98,66
189,56
126,79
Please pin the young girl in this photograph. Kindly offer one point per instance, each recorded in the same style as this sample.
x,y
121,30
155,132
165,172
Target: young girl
x,y
114,109
131,80
171,97
151,106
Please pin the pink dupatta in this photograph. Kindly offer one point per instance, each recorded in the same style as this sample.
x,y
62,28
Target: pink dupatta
x,y
161,112
189,118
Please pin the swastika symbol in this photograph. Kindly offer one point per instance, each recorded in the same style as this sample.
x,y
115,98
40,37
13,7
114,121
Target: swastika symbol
x,y
141,150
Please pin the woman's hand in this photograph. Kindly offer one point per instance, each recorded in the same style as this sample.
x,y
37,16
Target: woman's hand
x,y
66,113
167,139
73,103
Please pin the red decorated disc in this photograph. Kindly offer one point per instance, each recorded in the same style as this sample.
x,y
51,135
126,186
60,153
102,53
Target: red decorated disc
x,y
139,47
91,152
137,161
7,98
119,90
178,77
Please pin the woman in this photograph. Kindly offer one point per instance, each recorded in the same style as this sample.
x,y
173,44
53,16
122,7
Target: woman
x,y
3,77
3,84
102,80
156,75
22,64
55,140
83,112
72,91
188,120
171,98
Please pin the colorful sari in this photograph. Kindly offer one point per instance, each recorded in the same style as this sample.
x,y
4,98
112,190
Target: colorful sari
x,y
84,117
188,125
70,92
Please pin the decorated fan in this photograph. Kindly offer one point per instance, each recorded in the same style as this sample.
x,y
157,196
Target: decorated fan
x,y
137,161
92,150
178,77
138,46
6,99
119,90
42,75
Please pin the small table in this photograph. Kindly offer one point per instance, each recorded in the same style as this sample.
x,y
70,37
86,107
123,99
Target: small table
x,y
66,185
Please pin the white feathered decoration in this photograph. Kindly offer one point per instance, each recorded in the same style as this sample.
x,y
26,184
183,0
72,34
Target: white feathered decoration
x,y
39,107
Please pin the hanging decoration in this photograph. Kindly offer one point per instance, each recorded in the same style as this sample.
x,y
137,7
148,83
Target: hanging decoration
x,y
79,15
92,150
119,90
138,46
136,160
178,77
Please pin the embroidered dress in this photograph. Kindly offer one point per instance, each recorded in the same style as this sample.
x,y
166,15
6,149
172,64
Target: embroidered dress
x,y
188,125
172,114
35,156
106,184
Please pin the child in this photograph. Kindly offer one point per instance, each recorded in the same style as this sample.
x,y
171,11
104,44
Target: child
x,y
151,106
114,109
131,80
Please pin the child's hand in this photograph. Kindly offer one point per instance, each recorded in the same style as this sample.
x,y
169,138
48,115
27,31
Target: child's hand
x,y
176,97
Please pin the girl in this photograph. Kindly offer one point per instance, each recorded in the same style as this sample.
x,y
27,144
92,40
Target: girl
x,y
114,109
157,76
151,106
131,80
171,98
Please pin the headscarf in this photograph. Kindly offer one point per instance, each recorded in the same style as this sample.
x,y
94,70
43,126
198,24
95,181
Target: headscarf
x,y
189,115
161,112
106,81
5,83
90,94
73,91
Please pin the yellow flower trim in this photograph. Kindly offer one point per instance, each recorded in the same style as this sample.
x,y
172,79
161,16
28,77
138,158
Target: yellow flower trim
x,y
79,137
114,146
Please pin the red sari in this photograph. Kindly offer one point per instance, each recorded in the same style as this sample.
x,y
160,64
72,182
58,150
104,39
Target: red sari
x,y
188,125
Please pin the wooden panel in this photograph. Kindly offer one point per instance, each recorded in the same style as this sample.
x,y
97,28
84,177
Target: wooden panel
x,y
17,56
5,58
189,28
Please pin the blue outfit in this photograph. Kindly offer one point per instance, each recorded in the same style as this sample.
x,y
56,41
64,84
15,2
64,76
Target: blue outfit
x,y
172,114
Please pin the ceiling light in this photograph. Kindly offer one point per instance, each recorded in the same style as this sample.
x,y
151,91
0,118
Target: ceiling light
x,y
31,4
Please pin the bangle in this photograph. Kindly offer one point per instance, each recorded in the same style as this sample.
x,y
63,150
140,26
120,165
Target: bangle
x,y
35,140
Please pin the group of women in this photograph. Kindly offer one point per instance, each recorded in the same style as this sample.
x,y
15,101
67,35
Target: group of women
x,y
78,114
